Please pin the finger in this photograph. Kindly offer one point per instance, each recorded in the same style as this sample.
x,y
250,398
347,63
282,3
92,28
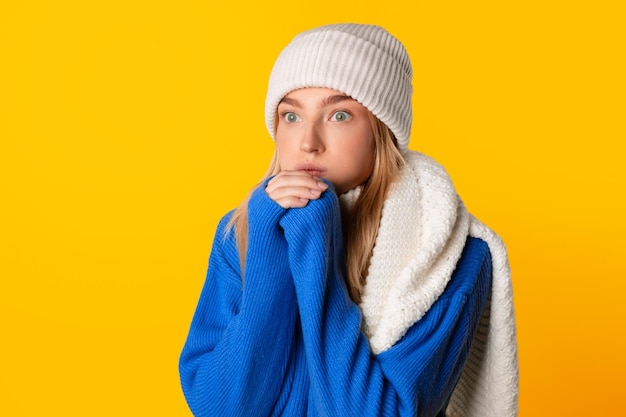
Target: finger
x,y
286,191
296,179
294,188
292,202
299,189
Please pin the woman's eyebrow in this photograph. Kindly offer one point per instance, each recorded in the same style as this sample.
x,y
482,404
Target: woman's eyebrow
x,y
291,102
327,101
330,100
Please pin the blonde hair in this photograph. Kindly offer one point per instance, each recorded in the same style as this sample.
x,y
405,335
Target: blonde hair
x,y
360,221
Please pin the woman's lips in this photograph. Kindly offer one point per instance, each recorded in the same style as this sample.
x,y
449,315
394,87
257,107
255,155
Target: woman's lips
x,y
313,169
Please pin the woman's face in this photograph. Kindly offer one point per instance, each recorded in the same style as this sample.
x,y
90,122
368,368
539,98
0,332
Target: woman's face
x,y
326,133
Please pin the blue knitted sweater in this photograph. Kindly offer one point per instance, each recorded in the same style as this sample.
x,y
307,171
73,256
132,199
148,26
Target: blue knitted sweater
x,y
288,341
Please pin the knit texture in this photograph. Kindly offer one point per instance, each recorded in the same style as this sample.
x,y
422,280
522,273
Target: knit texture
x,y
363,61
422,235
289,341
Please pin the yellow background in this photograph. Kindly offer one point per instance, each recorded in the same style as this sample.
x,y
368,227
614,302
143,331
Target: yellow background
x,y
128,128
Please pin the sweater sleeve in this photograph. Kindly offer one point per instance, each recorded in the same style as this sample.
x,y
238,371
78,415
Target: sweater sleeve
x,y
413,378
236,351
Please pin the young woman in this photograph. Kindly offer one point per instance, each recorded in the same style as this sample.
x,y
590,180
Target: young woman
x,y
352,281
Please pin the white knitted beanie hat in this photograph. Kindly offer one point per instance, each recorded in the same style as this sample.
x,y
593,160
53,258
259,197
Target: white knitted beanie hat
x,y
363,61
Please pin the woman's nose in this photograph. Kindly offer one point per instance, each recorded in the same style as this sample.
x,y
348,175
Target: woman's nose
x,y
312,140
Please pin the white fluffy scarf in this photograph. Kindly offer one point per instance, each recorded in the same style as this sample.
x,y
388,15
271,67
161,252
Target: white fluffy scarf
x,y
422,233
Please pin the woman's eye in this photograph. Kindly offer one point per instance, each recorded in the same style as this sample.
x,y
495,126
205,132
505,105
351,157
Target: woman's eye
x,y
340,116
291,117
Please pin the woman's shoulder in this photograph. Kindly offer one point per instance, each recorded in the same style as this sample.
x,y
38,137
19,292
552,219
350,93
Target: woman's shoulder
x,y
473,269
225,242
223,225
